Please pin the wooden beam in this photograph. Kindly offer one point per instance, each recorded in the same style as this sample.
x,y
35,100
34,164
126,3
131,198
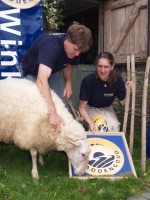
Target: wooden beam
x,y
140,58
144,115
126,111
148,28
133,75
127,25
101,28
118,4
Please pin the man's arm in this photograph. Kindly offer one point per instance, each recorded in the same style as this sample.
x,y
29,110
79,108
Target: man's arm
x,y
44,73
67,74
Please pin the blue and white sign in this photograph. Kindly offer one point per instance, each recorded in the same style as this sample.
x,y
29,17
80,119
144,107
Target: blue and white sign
x,y
21,22
109,157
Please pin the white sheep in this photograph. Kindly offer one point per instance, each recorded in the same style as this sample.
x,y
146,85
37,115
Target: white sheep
x,y
24,122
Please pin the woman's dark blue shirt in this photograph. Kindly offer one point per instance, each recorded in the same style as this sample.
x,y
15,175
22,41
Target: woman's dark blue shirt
x,y
99,94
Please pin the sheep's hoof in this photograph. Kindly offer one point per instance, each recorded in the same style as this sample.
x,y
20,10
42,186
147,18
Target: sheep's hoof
x,y
35,175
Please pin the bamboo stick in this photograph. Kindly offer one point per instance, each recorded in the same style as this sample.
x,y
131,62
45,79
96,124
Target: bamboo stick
x,y
144,113
126,112
132,103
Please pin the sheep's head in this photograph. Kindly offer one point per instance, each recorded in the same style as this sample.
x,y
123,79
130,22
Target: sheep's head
x,y
72,140
79,156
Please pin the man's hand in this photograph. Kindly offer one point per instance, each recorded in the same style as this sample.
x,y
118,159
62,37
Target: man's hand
x,y
67,74
67,90
44,73
55,121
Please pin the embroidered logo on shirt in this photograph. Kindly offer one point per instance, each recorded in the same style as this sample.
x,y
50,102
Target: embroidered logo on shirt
x,y
108,94
56,33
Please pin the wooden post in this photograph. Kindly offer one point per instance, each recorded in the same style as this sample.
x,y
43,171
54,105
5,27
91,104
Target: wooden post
x,y
101,28
132,103
126,112
144,114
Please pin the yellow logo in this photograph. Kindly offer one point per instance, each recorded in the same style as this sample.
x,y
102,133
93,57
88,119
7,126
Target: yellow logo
x,y
100,123
21,4
105,158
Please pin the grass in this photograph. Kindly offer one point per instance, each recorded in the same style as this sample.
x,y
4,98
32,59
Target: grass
x,y
16,182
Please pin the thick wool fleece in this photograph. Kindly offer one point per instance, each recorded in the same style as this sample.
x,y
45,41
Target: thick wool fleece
x,y
24,119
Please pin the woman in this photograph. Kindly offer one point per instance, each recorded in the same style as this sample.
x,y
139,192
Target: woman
x,y
98,91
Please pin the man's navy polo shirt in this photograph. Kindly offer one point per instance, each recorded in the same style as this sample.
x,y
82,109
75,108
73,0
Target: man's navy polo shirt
x,y
97,92
48,49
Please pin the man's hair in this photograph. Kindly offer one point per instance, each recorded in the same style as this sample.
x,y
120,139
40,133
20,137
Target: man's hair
x,y
80,35
112,77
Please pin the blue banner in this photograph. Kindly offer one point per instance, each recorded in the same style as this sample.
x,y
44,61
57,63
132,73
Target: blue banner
x,y
21,22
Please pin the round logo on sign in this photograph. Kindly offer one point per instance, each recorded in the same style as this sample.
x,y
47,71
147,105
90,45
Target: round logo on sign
x,y
21,4
105,158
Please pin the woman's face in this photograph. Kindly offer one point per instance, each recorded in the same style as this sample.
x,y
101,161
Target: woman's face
x,y
104,68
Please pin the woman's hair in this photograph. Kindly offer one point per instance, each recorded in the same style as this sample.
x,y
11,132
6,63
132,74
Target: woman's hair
x,y
110,58
80,35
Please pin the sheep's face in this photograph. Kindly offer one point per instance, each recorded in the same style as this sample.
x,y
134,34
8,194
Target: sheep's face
x,y
79,156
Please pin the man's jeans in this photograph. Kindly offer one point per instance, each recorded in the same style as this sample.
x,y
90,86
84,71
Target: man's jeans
x,y
54,83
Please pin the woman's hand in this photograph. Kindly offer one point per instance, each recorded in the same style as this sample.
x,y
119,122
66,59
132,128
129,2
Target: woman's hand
x,y
129,84
92,128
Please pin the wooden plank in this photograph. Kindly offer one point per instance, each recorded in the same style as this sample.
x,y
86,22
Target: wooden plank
x,y
119,3
101,29
140,57
148,28
126,42
143,30
131,34
121,16
125,46
107,30
137,35
127,25
144,114
113,29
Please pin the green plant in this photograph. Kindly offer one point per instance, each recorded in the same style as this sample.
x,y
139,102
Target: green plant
x,y
53,18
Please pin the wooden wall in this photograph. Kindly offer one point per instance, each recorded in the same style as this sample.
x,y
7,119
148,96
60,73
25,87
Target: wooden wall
x,y
123,29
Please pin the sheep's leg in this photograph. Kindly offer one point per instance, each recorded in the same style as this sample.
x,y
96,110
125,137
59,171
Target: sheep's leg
x,y
40,160
34,171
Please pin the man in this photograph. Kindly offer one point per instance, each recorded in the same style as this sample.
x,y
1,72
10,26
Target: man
x,y
49,54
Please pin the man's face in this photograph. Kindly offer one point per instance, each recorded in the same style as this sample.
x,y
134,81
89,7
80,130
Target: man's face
x,y
72,50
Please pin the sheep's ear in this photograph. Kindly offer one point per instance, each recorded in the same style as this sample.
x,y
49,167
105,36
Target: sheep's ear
x,y
77,143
